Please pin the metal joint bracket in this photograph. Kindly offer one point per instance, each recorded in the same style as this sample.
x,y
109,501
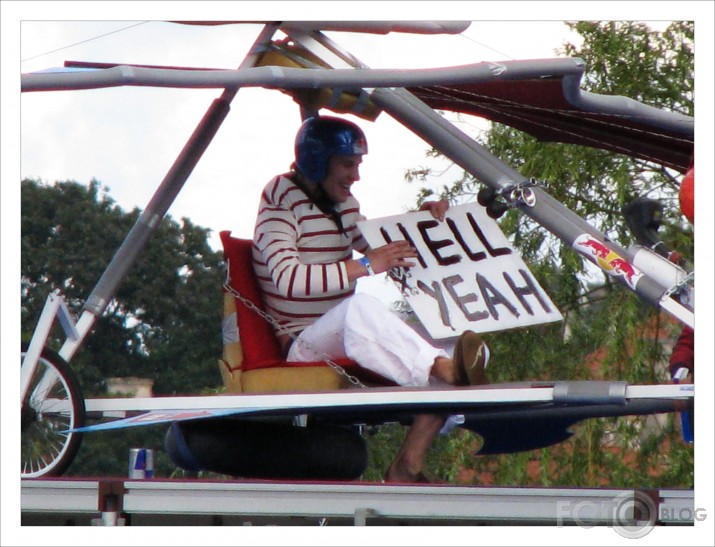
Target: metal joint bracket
x,y
590,392
682,290
515,195
110,504
361,514
521,193
55,308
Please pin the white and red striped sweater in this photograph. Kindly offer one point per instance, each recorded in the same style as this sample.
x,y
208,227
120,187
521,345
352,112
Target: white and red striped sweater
x,y
299,254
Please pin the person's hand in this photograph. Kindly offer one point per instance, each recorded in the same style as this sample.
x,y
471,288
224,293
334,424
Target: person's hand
x,y
437,208
393,255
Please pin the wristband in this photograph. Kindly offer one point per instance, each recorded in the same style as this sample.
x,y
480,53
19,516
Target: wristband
x,y
680,374
366,262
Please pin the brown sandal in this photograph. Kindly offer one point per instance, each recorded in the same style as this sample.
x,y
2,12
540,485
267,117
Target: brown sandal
x,y
471,356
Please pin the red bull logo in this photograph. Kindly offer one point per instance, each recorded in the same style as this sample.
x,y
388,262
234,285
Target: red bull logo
x,y
626,269
609,261
596,248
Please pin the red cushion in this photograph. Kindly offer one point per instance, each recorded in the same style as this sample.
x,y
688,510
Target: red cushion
x,y
258,340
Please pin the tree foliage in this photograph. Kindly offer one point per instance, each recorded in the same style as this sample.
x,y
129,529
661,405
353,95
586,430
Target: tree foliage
x,y
608,333
164,322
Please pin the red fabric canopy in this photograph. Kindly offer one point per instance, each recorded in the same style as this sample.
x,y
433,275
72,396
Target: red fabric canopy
x,y
539,106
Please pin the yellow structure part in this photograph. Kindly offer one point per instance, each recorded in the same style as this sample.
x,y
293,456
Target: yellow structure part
x,y
231,377
273,379
230,364
280,379
232,349
342,102
291,379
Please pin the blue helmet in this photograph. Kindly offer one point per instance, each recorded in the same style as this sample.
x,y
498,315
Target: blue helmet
x,y
321,137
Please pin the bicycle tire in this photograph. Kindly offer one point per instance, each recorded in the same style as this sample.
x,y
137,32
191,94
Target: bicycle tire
x,y
52,409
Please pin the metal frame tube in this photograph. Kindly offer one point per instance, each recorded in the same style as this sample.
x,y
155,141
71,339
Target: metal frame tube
x,y
486,167
471,156
151,217
401,104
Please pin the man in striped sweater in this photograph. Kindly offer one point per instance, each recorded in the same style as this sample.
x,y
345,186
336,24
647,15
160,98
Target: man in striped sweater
x,y
304,240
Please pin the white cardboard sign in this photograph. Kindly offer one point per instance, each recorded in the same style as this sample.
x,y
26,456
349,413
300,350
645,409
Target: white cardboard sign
x,y
467,276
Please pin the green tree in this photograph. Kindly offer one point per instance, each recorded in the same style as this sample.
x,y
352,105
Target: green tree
x,y
611,333
163,324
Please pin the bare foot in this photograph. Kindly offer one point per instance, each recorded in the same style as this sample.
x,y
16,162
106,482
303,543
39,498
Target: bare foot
x,y
397,472
444,369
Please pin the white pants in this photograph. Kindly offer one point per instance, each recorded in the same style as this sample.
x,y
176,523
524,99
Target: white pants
x,y
362,329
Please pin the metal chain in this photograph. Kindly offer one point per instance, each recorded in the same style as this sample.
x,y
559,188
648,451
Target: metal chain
x,y
274,323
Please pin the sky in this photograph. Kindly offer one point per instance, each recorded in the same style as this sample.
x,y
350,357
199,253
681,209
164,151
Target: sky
x,y
127,138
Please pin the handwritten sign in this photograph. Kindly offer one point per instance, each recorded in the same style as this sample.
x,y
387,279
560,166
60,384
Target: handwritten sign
x,y
467,275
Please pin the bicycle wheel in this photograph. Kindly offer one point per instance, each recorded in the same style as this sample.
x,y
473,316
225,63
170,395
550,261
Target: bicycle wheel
x,y
53,406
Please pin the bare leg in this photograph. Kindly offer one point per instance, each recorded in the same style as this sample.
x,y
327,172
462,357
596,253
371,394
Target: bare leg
x,y
408,463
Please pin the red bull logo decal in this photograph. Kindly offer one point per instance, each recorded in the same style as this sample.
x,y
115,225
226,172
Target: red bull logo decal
x,y
606,259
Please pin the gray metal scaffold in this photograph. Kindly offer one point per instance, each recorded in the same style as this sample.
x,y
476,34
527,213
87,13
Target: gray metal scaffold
x,y
208,502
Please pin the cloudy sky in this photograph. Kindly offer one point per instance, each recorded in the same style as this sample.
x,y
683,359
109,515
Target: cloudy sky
x,y
127,137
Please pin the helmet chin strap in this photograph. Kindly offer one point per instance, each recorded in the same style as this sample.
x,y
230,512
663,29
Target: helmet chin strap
x,y
316,194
